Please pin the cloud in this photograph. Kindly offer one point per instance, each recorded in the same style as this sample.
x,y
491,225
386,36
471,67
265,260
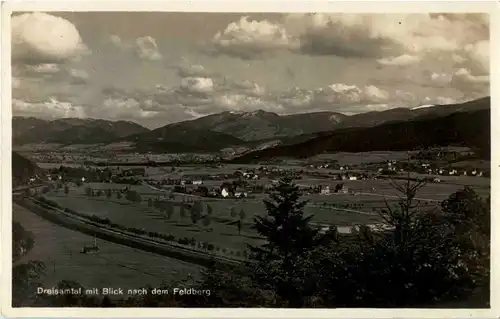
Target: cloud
x,y
124,108
47,68
144,48
79,76
43,38
337,97
48,109
439,100
197,85
465,81
16,83
147,49
479,55
401,60
242,102
392,39
244,38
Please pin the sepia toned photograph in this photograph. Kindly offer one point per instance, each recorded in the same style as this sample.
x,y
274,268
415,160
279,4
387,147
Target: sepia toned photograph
x,y
250,160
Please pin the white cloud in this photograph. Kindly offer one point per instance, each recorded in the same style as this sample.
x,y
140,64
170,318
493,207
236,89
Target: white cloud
x,y
44,38
401,60
249,38
464,76
352,94
242,102
479,55
123,108
193,70
16,83
116,40
394,39
439,100
442,79
147,49
47,68
48,109
79,76
197,85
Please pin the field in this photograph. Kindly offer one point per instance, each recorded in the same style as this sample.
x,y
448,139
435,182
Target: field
x,y
343,210
357,207
113,266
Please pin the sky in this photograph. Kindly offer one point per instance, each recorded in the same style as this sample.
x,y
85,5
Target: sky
x,y
156,68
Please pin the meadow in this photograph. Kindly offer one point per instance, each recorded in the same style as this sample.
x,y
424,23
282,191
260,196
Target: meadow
x,y
343,210
113,266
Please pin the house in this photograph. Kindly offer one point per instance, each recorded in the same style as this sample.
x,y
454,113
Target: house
x,y
353,178
344,189
197,182
436,180
224,192
325,190
240,194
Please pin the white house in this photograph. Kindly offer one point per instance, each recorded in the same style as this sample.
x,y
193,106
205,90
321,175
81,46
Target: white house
x,y
224,192
197,182
325,190
353,178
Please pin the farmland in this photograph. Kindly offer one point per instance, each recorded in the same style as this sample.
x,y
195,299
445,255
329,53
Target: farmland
x,y
357,207
114,266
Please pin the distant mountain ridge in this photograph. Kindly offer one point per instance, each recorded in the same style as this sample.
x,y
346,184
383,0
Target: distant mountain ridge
x,y
260,125
245,131
466,127
71,130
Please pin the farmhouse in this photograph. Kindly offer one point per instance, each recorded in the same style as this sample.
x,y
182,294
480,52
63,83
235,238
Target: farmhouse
x,y
325,190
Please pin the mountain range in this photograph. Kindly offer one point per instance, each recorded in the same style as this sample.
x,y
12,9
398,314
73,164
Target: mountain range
x,y
246,131
27,130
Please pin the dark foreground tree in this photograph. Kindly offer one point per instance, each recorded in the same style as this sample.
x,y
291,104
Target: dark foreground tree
x,y
278,264
26,276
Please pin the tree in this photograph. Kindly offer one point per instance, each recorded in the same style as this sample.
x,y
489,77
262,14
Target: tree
x,y
289,237
194,215
242,214
209,210
133,196
22,241
66,189
150,202
182,211
26,277
206,220
108,193
118,195
232,212
170,211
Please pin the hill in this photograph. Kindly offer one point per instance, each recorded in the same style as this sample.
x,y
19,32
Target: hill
x,y
22,169
177,140
261,125
469,128
71,130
